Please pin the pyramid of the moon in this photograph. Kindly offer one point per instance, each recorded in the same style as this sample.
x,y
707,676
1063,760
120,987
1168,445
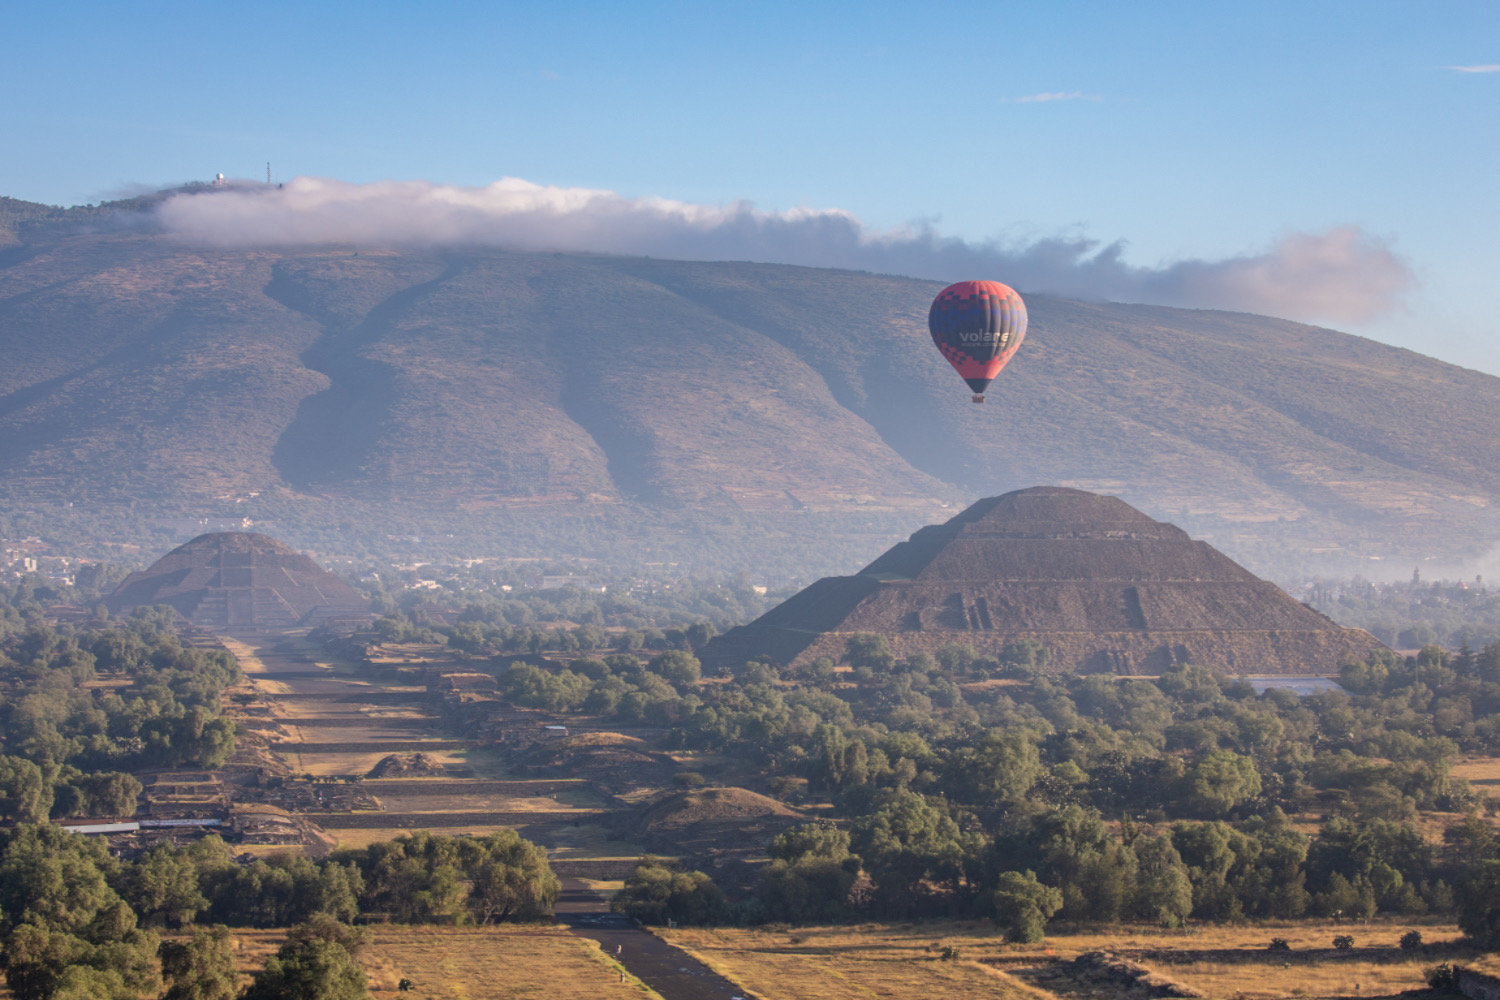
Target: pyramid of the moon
x,y
240,580
1102,586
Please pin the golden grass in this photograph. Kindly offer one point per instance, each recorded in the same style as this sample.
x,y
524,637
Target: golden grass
x,y
252,947
1483,773
360,837
458,802
355,763
1268,981
603,738
1233,961
844,964
469,963
900,961
270,850
297,711
504,963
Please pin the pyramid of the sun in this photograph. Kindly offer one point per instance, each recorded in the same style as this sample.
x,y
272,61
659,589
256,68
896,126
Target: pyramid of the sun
x,y
1101,585
240,580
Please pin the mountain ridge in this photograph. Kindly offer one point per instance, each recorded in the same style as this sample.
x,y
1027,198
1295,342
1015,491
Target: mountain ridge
x,y
527,395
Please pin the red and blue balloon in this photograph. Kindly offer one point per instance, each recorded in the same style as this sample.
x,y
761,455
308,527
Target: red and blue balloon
x,y
978,325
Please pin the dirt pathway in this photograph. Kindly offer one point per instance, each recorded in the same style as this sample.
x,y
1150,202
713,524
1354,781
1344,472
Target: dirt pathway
x,y
307,697
668,970
322,715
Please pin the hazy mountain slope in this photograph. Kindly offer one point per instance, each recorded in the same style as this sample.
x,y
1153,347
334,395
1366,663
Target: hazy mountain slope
x,y
143,372
510,375
439,390
1242,416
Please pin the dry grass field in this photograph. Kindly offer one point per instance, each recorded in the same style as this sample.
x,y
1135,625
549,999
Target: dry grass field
x,y
1482,774
905,961
846,963
894,962
491,963
338,764
361,837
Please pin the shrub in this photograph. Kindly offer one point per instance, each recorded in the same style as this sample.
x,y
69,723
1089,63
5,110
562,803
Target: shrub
x,y
1343,942
1278,944
1411,940
1442,977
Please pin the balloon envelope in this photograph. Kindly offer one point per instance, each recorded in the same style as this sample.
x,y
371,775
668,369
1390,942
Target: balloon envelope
x,y
978,325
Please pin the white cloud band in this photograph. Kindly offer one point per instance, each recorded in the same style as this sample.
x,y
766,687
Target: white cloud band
x,y
1342,275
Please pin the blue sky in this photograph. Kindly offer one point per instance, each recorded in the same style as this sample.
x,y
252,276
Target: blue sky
x,y
1189,131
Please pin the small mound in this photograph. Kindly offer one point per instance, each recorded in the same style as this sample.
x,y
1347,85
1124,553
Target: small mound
x,y
604,740
414,765
712,806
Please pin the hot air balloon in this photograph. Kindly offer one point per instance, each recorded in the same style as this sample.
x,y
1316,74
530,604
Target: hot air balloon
x,y
977,325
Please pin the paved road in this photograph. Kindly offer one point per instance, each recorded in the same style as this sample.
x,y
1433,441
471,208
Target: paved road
x,y
668,970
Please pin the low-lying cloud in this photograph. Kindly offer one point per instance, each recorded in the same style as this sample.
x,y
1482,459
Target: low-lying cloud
x,y
1343,275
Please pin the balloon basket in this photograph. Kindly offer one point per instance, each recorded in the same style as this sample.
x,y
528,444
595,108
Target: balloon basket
x,y
979,397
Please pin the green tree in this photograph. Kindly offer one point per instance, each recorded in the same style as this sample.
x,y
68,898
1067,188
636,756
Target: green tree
x,y
908,843
1022,905
1479,905
316,963
1273,883
1219,781
1190,684
819,839
1001,768
509,879
338,891
25,792
699,633
1024,655
200,968
63,927
1163,891
871,651
655,892
415,879
111,793
100,981
1074,850
1210,852
162,887
681,670
811,889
